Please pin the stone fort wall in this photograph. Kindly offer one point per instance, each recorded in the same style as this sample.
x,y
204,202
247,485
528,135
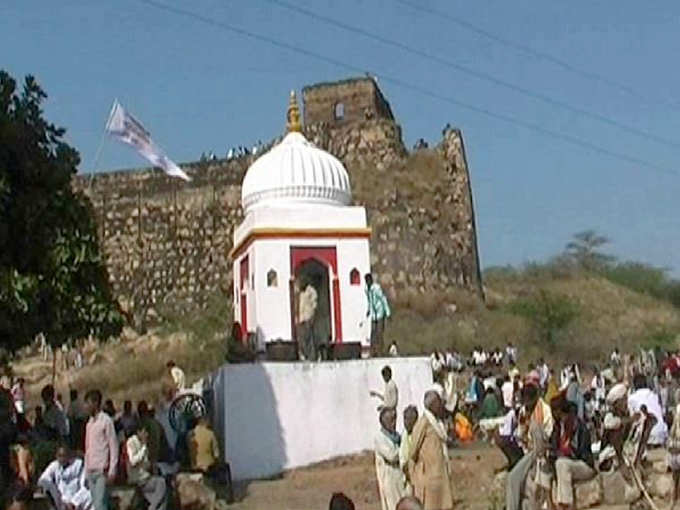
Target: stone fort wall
x,y
346,101
167,241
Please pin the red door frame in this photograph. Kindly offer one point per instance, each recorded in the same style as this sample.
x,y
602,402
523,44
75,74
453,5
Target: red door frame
x,y
327,256
245,279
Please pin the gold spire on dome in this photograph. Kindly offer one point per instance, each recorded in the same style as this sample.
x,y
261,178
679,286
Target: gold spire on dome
x,y
293,116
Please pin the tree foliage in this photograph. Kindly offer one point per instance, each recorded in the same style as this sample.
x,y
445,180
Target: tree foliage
x,y
549,313
52,276
584,250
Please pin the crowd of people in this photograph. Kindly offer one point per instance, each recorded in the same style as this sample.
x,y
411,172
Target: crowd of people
x,y
94,447
559,427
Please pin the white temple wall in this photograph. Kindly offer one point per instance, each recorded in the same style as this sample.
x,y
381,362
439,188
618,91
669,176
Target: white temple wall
x,y
273,303
304,216
270,306
277,416
354,253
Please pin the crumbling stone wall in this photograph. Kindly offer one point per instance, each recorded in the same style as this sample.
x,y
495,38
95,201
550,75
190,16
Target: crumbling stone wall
x,y
361,99
167,242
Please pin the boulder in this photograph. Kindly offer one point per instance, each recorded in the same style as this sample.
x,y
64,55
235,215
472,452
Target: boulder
x,y
656,455
659,485
660,466
588,494
616,490
194,495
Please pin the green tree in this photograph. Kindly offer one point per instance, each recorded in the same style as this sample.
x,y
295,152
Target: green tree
x,y
549,313
583,249
52,276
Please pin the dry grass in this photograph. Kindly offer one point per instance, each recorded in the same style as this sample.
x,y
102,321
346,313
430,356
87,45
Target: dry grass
x,y
609,315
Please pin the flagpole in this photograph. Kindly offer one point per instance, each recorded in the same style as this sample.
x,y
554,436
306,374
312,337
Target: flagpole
x,y
102,140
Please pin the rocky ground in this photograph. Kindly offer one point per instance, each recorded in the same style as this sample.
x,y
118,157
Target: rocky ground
x,y
472,469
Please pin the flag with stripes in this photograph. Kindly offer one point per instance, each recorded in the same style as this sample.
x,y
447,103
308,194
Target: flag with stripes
x,y
125,128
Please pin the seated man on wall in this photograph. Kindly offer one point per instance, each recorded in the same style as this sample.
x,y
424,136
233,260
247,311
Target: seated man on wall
x,y
204,452
572,452
153,488
64,481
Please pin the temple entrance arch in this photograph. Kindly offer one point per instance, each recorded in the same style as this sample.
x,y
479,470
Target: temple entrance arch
x,y
316,266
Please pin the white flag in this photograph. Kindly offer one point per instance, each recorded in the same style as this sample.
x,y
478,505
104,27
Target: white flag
x,y
127,129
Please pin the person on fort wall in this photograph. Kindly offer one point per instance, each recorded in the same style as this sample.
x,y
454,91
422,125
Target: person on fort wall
x,y
378,311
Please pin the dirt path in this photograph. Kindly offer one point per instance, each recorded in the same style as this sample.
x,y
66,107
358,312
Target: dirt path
x,y
311,488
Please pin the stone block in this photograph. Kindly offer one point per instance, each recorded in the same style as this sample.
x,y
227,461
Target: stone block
x,y
656,455
616,490
659,485
588,494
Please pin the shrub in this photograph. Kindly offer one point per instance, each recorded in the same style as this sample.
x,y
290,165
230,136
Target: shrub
x,y
550,314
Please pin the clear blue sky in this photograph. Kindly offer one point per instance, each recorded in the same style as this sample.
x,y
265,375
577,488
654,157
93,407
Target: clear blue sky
x,y
199,87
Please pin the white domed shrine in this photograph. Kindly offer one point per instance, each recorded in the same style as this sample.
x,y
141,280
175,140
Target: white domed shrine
x,y
295,171
300,231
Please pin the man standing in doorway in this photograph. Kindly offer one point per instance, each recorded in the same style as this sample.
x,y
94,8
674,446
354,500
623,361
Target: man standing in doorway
x,y
307,313
378,311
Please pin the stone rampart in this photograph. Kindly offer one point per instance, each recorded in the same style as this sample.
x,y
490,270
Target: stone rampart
x,y
167,242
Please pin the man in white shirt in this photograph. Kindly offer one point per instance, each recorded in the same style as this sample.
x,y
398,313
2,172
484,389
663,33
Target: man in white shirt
x,y
506,439
390,397
139,471
389,474
508,392
543,372
64,481
643,396
177,375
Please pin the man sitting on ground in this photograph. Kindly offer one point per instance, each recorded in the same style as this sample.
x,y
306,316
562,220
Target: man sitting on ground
x,y
64,481
204,452
153,488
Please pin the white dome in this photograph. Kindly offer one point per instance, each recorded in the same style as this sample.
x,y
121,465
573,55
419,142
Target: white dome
x,y
295,170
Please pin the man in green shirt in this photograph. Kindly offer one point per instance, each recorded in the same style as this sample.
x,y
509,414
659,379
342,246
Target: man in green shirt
x,y
378,310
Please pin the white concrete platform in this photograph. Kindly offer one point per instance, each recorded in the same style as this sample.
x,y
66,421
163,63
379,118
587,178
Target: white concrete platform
x,y
272,417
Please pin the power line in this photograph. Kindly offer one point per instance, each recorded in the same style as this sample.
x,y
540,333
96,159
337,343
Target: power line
x,y
531,52
573,140
480,75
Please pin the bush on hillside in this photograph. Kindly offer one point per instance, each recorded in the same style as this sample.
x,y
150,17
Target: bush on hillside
x,y
644,278
550,314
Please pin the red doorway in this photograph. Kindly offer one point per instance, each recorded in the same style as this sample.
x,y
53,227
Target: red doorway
x,y
327,256
244,279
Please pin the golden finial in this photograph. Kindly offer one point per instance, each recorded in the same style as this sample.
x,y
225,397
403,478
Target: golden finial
x,y
293,115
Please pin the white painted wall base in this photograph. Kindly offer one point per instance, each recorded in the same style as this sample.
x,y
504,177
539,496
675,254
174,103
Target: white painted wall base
x,y
276,416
